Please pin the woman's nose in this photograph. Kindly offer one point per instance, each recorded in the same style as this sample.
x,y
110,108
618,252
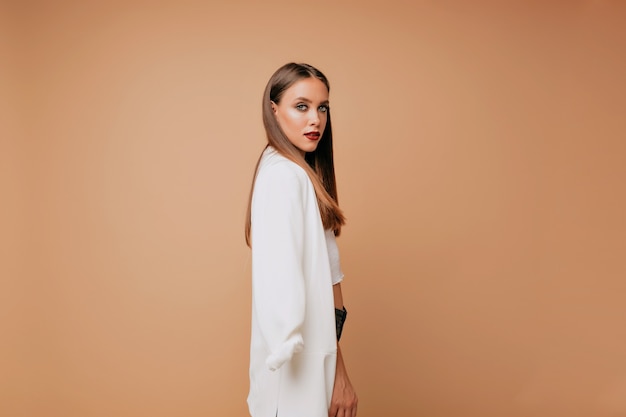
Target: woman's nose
x,y
314,118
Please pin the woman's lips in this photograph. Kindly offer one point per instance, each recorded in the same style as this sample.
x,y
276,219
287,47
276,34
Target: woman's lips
x,y
312,135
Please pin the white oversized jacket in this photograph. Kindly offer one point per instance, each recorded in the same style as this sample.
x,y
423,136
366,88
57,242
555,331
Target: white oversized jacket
x,y
293,345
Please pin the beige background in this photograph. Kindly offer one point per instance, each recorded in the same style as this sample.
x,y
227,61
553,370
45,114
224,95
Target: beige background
x,y
480,158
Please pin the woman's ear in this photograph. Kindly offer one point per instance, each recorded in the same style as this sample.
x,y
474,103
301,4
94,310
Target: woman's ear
x,y
273,106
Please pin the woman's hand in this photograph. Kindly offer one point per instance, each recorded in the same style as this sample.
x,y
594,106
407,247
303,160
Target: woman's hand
x,y
344,401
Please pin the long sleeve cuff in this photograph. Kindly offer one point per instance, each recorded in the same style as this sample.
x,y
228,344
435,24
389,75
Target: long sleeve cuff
x,y
284,353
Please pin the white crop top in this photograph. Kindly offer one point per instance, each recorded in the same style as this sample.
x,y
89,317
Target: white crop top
x,y
333,257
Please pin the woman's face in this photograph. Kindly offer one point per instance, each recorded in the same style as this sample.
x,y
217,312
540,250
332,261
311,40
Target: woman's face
x,y
302,113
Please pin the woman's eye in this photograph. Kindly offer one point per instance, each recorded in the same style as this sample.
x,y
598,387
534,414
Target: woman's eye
x,y
323,109
301,107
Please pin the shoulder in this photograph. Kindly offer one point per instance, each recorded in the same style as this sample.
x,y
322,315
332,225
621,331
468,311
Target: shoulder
x,y
277,170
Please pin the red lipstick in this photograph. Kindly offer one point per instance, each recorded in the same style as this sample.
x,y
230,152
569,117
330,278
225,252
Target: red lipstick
x,y
312,135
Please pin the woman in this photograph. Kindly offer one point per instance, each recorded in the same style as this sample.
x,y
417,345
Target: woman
x,y
296,366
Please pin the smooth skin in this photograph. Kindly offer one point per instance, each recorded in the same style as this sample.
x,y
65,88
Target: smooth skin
x,y
303,109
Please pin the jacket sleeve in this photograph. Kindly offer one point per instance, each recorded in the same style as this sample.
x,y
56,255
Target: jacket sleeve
x,y
277,254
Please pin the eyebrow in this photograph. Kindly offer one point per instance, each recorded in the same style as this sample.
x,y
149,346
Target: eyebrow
x,y
309,101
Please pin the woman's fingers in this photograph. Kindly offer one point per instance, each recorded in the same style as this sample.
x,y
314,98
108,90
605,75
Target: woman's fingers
x,y
343,410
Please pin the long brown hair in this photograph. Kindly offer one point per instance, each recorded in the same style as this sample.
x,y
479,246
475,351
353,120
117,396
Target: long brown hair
x,y
319,164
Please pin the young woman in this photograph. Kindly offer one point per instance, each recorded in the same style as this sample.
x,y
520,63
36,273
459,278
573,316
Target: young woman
x,y
296,366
